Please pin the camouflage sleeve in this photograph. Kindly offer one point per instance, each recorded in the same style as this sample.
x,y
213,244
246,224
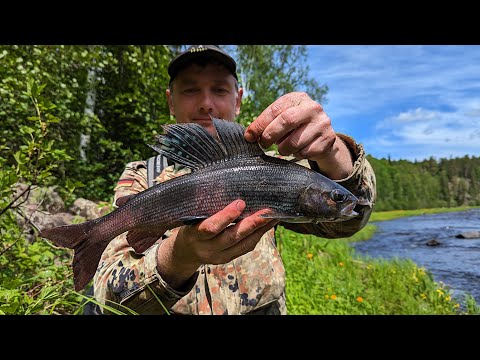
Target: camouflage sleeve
x,y
125,278
361,182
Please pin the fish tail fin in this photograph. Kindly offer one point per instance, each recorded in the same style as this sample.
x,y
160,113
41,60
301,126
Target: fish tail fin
x,y
88,246
68,236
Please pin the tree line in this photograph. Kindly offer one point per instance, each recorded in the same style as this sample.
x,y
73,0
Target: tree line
x,y
429,183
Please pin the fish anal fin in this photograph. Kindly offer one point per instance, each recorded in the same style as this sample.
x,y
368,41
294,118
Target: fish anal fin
x,y
141,239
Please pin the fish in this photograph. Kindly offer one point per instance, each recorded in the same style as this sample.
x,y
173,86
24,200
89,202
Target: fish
x,y
223,169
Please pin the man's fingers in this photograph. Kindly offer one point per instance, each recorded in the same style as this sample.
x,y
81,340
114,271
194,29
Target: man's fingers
x,y
245,227
256,128
310,136
276,120
248,243
287,126
218,222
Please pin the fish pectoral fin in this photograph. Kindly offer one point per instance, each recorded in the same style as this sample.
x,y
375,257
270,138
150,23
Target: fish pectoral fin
x,y
294,218
190,220
124,199
141,239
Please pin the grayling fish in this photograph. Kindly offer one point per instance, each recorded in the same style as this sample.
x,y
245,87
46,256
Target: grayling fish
x,y
222,171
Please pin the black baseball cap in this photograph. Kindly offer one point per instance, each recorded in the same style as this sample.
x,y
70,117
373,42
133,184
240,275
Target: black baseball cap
x,y
207,51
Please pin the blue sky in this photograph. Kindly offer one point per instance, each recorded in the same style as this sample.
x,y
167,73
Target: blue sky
x,y
404,101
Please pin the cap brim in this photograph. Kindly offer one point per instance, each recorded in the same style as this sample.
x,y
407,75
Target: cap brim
x,y
181,60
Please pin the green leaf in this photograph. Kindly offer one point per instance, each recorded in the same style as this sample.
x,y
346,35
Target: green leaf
x,y
20,158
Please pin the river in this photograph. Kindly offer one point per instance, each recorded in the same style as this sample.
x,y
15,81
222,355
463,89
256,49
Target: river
x,y
455,262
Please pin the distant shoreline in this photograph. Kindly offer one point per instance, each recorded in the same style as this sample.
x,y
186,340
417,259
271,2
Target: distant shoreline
x,y
394,214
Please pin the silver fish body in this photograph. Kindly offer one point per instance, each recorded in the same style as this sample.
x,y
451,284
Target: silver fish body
x,y
222,171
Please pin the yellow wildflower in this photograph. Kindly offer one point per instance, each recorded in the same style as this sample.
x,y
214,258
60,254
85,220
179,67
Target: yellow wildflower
x,y
333,297
309,255
340,263
359,299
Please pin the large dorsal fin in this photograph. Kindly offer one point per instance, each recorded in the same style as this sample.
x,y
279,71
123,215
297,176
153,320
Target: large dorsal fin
x,y
231,136
192,146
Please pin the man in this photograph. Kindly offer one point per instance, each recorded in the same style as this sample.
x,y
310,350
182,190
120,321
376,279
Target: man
x,y
211,267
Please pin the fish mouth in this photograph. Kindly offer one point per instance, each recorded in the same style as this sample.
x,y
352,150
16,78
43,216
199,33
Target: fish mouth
x,y
345,213
348,212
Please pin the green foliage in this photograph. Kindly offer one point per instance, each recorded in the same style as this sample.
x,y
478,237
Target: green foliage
x,y
111,100
33,276
57,68
130,106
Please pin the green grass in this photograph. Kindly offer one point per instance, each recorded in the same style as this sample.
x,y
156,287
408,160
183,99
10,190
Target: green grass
x,y
394,214
326,276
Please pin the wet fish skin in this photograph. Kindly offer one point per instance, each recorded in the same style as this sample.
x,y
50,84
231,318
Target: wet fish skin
x,y
221,173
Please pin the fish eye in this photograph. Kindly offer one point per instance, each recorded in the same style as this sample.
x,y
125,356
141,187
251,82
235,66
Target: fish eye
x,y
337,195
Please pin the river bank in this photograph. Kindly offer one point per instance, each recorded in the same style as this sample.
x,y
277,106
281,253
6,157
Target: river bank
x,y
395,214
433,242
326,276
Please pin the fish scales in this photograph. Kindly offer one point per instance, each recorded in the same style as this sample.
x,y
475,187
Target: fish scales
x,y
259,183
223,170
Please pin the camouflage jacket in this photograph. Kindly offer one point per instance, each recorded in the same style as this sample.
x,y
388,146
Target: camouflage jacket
x,y
250,284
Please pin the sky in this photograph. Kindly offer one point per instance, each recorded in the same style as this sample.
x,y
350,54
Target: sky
x,y
408,102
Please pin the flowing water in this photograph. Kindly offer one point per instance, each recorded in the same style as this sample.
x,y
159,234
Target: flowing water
x,y
455,262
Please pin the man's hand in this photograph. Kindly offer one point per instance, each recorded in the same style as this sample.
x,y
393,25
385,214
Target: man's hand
x,y
300,127
211,241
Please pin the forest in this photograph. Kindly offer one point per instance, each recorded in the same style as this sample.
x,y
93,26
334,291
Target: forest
x,y
429,183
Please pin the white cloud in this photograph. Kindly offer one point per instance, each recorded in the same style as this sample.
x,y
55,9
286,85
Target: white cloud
x,y
428,127
418,114
411,102
420,134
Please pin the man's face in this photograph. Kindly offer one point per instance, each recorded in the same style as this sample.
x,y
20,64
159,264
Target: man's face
x,y
199,92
